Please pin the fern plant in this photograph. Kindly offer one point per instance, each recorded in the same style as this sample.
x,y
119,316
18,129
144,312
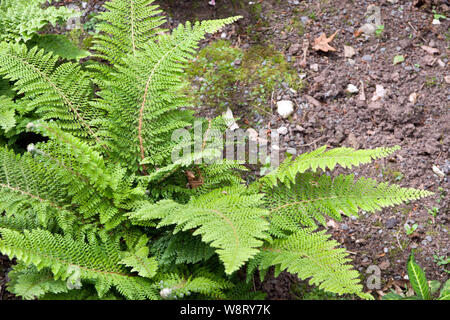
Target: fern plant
x,y
97,209
20,20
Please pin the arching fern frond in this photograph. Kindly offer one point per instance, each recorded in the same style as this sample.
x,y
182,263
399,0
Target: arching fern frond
x,y
230,222
67,258
312,255
145,89
57,91
320,158
313,197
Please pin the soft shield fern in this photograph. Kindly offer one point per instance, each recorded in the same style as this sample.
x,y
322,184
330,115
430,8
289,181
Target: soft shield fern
x,y
21,19
97,209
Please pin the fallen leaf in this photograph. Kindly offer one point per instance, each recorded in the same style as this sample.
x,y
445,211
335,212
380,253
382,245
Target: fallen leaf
x,y
357,33
430,50
384,265
447,79
322,42
398,59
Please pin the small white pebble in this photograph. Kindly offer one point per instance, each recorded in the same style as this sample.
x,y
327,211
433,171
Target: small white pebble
x,y
352,88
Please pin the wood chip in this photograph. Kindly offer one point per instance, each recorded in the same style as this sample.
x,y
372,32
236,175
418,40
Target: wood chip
x,y
430,50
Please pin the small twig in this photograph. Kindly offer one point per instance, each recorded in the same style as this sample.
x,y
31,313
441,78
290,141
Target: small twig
x,y
308,144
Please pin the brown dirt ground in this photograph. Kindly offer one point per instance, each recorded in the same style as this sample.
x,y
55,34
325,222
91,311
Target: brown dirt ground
x,y
326,114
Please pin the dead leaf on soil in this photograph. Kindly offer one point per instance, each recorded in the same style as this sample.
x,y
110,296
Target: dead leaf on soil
x,y
430,50
322,42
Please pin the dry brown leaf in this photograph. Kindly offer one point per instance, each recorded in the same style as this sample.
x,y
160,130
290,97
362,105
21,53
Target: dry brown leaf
x,y
357,33
430,50
322,42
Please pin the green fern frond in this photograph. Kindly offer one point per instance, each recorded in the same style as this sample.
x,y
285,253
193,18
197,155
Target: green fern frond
x,y
7,113
21,19
29,283
176,285
312,197
136,127
320,158
63,256
60,45
230,222
24,184
313,255
127,26
57,91
140,262
180,249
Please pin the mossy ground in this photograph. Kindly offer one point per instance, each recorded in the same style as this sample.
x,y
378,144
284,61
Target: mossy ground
x,y
224,76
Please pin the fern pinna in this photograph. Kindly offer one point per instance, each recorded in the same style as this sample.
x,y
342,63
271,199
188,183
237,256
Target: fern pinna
x,y
99,210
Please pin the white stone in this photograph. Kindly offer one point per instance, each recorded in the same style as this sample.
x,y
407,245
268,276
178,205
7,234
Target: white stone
x,y
283,131
291,151
379,93
229,118
352,88
438,171
349,51
314,67
285,108
436,21
165,293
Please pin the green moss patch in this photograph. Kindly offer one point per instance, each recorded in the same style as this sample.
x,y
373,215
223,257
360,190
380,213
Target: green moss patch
x,y
223,76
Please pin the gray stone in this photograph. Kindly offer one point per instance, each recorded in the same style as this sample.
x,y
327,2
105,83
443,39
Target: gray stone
x,y
291,151
367,58
391,223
